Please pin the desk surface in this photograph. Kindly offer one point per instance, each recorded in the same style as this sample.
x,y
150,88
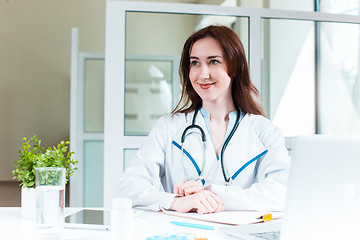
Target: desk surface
x,y
146,224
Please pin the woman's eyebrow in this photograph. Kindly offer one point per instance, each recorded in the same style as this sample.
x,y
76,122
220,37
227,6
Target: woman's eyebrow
x,y
209,57
215,56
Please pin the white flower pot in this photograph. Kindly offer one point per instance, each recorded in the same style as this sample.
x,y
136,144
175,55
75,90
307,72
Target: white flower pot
x,y
28,203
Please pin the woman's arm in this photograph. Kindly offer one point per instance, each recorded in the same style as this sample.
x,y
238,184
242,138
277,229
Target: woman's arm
x,y
141,181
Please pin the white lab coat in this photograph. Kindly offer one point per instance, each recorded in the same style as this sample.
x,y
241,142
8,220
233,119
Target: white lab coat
x,y
159,165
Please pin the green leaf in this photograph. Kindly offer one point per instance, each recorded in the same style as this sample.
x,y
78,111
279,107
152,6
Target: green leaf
x,y
31,155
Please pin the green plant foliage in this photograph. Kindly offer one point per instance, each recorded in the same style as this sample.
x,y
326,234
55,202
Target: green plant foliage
x,y
49,177
32,155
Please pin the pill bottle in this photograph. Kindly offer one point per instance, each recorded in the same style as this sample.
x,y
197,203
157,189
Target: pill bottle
x,y
121,219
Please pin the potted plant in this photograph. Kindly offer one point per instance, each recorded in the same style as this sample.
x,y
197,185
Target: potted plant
x,y
32,155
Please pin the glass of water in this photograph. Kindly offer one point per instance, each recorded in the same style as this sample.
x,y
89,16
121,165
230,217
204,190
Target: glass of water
x,y
50,200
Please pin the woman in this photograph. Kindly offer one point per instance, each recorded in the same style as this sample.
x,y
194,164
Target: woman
x,y
233,159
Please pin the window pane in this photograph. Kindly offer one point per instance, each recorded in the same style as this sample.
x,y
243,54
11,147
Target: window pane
x,y
351,7
154,42
148,93
339,79
94,95
129,154
93,173
288,75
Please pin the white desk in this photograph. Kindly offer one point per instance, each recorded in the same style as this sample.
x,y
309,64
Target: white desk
x,y
146,224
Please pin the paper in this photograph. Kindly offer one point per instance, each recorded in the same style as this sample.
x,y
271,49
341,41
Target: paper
x,y
227,217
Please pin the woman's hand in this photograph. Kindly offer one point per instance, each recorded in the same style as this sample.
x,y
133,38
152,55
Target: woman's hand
x,y
202,202
187,188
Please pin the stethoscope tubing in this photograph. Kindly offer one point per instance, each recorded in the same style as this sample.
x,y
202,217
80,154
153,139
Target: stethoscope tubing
x,y
233,130
197,168
203,138
200,173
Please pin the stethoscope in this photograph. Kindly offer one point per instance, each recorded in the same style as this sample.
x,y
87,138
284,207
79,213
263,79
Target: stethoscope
x,y
228,181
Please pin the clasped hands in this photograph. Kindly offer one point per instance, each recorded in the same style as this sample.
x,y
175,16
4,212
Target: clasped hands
x,y
194,198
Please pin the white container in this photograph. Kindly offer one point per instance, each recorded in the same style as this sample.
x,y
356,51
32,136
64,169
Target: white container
x,y
28,203
122,219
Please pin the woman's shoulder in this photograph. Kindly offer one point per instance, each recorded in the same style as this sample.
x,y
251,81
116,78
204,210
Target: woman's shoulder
x,y
261,123
266,130
257,119
177,117
169,125
170,121
173,117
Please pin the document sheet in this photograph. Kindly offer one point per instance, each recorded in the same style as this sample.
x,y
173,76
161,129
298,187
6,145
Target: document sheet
x,y
227,217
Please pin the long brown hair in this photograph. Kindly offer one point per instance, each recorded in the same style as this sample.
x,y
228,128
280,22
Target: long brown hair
x,y
243,91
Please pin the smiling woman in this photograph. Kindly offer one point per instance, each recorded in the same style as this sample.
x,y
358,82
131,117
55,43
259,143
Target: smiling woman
x,y
242,153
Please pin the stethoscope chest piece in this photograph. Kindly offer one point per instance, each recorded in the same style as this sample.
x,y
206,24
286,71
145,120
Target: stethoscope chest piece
x,y
229,182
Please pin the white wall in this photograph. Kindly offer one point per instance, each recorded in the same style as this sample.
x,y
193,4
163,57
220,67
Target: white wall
x,y
35,68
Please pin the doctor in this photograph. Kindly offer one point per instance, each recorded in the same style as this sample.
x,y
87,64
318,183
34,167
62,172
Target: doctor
x,y
216,150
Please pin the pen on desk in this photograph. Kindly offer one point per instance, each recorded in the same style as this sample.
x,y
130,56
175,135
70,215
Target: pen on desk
x,y
266,217
193,225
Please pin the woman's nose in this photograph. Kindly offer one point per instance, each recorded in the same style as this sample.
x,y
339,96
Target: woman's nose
x,y
204,72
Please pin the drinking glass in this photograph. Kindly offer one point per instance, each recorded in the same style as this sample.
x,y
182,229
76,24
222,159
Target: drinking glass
x,y
50,200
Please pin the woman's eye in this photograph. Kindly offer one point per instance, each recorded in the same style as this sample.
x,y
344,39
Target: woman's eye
x,y
214,62
194,63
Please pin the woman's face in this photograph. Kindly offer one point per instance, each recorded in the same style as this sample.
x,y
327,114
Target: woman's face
x,y
208,71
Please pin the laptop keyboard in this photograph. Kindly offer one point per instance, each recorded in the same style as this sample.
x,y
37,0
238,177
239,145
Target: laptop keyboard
x,y
274,235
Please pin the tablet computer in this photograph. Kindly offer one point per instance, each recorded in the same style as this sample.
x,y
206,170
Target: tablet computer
x,y
89,219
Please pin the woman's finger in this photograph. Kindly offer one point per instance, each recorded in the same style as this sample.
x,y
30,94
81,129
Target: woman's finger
x,y
200,207
213,202
187,188
176,189
216,197
192,190
219,208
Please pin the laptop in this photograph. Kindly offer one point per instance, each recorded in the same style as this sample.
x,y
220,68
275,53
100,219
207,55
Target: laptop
x,y
323,198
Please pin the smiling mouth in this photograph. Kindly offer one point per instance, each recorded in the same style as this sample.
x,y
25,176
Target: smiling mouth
x,y
206,85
